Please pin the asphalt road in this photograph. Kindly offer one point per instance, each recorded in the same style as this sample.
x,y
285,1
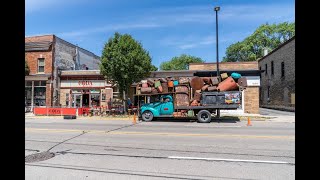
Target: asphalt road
x,y
100,149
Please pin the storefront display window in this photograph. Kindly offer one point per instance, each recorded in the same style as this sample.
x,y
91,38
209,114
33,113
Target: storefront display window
x,y
39,93
27,95
95,99
39,96
103,98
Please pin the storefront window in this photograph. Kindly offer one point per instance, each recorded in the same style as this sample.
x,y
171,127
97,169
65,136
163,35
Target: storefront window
x,y
39,93
27,94
95,99
76,91
103,98
39,96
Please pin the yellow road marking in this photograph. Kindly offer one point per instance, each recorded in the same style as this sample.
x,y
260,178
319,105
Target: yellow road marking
x,y
160,133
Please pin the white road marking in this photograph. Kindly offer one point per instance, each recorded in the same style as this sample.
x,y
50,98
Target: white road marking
x,y
212,126
230,160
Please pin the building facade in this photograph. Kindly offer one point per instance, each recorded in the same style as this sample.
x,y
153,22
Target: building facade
x,y
278,80
84,88
47,56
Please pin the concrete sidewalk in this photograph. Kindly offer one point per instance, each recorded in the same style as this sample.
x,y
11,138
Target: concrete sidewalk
x,y
289,119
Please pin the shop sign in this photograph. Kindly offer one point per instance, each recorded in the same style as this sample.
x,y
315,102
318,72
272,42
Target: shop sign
x,y
253,80
54,111
83,83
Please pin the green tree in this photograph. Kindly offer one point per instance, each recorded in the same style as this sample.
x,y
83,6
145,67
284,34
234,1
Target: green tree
x,y
264,37
180,63
124,61
26,68
153,68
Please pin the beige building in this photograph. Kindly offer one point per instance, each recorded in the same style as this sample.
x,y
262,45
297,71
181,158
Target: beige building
x,y
250,70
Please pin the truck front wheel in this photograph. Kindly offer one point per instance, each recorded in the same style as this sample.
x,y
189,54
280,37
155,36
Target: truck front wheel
x,y
147,116
204,116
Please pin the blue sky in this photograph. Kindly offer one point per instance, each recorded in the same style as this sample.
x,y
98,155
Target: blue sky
x,y
166,28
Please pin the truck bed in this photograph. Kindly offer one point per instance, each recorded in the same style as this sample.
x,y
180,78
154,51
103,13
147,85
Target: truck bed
x,y
213,106
217,100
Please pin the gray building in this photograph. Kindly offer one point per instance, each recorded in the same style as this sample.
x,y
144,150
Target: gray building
x,y
277,88
71,57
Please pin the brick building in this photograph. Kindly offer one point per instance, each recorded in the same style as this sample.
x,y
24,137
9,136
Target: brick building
x,y
47,56
250,95
278,80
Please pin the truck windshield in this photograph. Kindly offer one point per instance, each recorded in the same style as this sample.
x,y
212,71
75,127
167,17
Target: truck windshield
x,y
166,99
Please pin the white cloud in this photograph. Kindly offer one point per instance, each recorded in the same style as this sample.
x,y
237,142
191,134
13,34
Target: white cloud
x,y
34,5
111,27
196,15
271,12
236,13
188,42
192,41
187,46
40,5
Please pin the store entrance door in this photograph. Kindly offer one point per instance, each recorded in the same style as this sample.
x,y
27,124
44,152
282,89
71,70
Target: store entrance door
x,y
85,100
77,100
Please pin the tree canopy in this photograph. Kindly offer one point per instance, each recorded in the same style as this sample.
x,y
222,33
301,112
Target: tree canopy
x,y
124,61
180,63
26,68
153,68
266,36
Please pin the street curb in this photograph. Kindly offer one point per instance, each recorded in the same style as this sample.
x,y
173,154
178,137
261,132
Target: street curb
x,y
252,118
106,119
241,118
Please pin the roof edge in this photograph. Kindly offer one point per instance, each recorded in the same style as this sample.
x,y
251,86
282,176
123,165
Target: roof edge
x,y
280,46
244,62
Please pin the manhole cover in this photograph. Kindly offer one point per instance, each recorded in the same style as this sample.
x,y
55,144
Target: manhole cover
x,y
39,157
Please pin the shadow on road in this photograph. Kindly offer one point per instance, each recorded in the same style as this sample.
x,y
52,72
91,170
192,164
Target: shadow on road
x,y
192,120
174,120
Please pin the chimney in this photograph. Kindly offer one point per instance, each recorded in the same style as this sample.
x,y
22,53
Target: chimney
x,y
265,52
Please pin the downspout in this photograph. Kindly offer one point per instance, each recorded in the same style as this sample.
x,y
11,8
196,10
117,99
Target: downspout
x,y
76,59
52,70
56,79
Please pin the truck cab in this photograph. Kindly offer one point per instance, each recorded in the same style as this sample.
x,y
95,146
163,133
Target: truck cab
x,y
162,108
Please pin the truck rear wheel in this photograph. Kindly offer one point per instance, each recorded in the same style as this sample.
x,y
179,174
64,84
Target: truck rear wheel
x,y
147,116
204,116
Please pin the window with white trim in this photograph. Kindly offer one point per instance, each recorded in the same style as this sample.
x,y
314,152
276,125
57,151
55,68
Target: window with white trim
x,y
40,65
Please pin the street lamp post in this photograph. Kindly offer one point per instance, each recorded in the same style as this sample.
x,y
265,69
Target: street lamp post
x,y
216,9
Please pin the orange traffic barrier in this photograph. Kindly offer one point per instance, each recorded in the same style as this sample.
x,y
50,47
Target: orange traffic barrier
x,y
249,122
134,118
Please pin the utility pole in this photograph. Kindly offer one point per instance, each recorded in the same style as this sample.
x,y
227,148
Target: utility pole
x,y
216,9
